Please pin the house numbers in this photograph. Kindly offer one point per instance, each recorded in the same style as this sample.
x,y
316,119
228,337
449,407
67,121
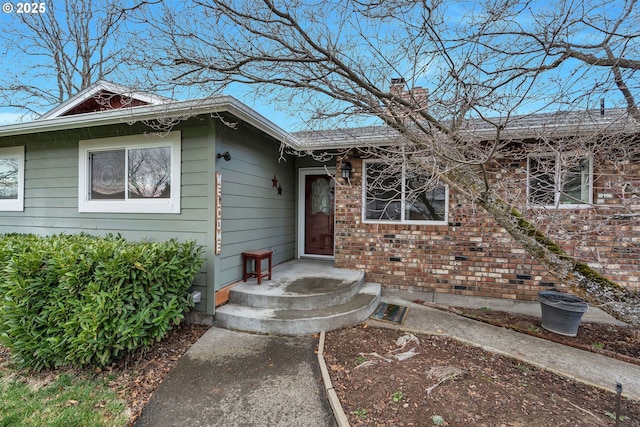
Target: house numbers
x,y
218,228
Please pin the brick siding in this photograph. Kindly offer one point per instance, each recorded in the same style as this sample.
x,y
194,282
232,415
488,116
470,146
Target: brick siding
x,y
473,255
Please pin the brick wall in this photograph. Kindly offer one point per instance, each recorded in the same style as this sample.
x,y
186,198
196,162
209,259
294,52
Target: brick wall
x,y
473,255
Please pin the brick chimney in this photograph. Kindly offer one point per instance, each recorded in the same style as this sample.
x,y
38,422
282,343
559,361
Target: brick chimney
x,y
417,95
398,85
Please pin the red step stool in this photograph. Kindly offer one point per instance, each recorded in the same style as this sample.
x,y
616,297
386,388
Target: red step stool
x,y
256,256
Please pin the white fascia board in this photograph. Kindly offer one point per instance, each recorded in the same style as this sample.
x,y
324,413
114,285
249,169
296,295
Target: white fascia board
x,y
131,115
260,122
95,89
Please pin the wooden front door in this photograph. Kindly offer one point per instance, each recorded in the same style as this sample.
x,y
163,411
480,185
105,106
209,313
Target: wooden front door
x,y
319,198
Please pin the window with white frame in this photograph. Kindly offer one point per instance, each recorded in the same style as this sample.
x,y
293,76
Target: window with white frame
x,y
391,194
559,180
12,179
137,174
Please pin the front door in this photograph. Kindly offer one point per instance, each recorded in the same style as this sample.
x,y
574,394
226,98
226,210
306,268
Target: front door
x,y
318,215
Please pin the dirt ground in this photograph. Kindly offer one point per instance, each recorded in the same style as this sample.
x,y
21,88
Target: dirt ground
x,y
449,383
136,376
462,385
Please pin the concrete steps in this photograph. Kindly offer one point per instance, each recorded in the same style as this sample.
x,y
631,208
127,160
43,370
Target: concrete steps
x,y
304,297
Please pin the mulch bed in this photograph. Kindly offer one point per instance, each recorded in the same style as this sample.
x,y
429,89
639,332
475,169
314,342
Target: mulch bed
x,y
445,382
449,383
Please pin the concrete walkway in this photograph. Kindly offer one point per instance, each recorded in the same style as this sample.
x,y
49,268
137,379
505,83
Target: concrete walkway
x,y
238,379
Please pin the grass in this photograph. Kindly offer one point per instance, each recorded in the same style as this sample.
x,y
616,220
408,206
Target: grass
x,y
397,396
534,328
360,360
613,416
360,413
64,401
437,420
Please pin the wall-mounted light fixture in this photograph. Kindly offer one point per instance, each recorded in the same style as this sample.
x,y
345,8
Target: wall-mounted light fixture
x,y
346,171
224,155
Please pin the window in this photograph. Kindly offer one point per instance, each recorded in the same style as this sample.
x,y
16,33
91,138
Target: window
x,y
559,180
139,174
393,195
12,179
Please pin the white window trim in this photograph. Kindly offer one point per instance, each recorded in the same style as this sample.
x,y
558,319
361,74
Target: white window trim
x,y
557,194
445,221
169,205
14,205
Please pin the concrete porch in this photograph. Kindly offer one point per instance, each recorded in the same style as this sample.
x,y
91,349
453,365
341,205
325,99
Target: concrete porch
x,y
304,297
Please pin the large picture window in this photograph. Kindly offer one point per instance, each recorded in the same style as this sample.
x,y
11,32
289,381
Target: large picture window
x,y
555,180
130,174
399,196
12,179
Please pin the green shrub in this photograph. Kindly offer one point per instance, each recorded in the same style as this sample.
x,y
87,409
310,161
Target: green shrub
x,y
85,300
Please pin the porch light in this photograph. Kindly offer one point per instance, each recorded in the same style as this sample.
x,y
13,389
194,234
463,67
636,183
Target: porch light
x,y
226,155
346,171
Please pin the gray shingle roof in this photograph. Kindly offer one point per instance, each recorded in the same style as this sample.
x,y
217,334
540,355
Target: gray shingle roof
x,y
530,126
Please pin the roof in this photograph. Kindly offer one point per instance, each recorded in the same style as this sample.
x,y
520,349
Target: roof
x,y
69,115
523,127
133,98
160,108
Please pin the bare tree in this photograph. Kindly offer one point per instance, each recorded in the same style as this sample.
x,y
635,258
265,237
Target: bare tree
x,y
52,55
490,70
597,40
8,179
149,172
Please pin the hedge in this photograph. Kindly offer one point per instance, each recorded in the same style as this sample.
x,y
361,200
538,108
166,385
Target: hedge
x,y
84,300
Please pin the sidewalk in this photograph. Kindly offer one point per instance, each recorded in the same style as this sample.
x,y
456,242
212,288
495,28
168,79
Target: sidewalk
x,y
238,379
232,378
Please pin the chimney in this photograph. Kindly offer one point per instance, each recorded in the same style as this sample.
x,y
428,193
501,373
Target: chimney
x,y
398,85
418,95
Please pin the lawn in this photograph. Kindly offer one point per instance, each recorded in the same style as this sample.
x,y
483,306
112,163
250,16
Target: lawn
x,y
62,399
88,397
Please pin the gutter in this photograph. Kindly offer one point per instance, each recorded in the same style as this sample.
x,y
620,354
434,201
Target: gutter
x,y
132,115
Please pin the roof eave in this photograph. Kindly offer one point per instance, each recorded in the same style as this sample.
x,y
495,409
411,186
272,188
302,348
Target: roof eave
x,y
150,112
383,136
97,87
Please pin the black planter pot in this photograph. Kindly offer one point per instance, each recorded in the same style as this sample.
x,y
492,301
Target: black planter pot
x,y
561,312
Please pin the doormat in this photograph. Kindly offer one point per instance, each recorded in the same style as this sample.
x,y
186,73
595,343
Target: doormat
x,y
390,313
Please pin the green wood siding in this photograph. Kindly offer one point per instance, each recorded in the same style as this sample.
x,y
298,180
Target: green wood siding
x,y
51,192
254,215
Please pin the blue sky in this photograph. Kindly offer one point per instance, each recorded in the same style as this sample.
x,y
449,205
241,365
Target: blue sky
x,y
284,119
289,119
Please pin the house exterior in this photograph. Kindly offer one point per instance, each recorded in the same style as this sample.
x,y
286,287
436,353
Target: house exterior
x,y
456,248
72,171
112,160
